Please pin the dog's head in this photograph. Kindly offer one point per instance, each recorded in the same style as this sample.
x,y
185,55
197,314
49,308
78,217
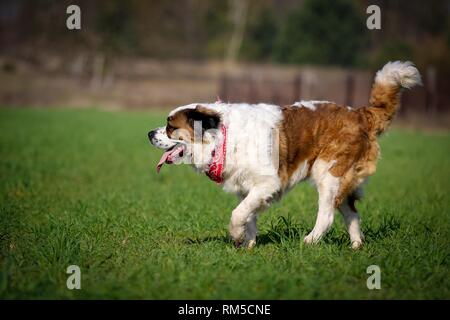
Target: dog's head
x,y
186,128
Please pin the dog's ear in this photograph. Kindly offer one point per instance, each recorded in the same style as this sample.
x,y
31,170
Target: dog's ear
x,y
210,119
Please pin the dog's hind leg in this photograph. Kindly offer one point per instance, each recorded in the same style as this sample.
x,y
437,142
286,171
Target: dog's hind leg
x,y
351,218
328,188
350,191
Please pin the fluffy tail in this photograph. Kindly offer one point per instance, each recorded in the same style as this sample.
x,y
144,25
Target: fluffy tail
x,y
385,95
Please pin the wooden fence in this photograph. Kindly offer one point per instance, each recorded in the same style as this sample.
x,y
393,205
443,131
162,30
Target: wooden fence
x,y
350,88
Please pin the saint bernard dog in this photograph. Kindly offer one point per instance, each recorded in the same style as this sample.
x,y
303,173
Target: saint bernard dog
x,y
261,151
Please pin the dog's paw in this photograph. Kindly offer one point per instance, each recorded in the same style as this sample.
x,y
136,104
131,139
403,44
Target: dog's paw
x,y
357,240
248,244
237,233
356,244
238,244
310,239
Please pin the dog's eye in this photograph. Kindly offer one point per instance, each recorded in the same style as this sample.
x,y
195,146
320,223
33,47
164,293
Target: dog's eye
x,y
169,129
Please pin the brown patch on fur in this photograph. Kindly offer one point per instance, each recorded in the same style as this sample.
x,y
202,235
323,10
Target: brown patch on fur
x,y
206,111
184,119
384,103
330,132
180,121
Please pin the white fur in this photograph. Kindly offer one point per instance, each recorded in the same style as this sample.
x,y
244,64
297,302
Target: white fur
x,y
310,104
251,131
252,154
189,106
161,140
251,165
404,74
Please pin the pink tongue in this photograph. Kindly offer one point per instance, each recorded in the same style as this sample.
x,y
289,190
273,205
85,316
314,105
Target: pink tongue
x,y
168,156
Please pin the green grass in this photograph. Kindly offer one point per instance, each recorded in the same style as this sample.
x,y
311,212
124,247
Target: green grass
x,y
80,187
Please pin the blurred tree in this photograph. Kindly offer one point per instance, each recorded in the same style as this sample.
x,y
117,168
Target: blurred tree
x,y
320,32
287,31
238,14
394,49
114,23
260,37
216,23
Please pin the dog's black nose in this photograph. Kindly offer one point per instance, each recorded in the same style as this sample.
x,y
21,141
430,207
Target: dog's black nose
x,y
151,134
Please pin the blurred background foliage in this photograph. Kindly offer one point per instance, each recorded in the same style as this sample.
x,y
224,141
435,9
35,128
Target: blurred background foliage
x,y
159,53
319,32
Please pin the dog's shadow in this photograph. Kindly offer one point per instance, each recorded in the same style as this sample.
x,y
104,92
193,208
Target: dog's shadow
x,y
283,230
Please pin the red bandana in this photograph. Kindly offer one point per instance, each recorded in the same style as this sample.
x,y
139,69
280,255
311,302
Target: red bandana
x,y
219,153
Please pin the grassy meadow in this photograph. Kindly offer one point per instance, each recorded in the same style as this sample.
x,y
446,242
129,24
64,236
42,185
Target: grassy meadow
x,y
79,187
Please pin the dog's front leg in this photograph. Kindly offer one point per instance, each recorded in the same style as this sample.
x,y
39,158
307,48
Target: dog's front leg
x,y
243,219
